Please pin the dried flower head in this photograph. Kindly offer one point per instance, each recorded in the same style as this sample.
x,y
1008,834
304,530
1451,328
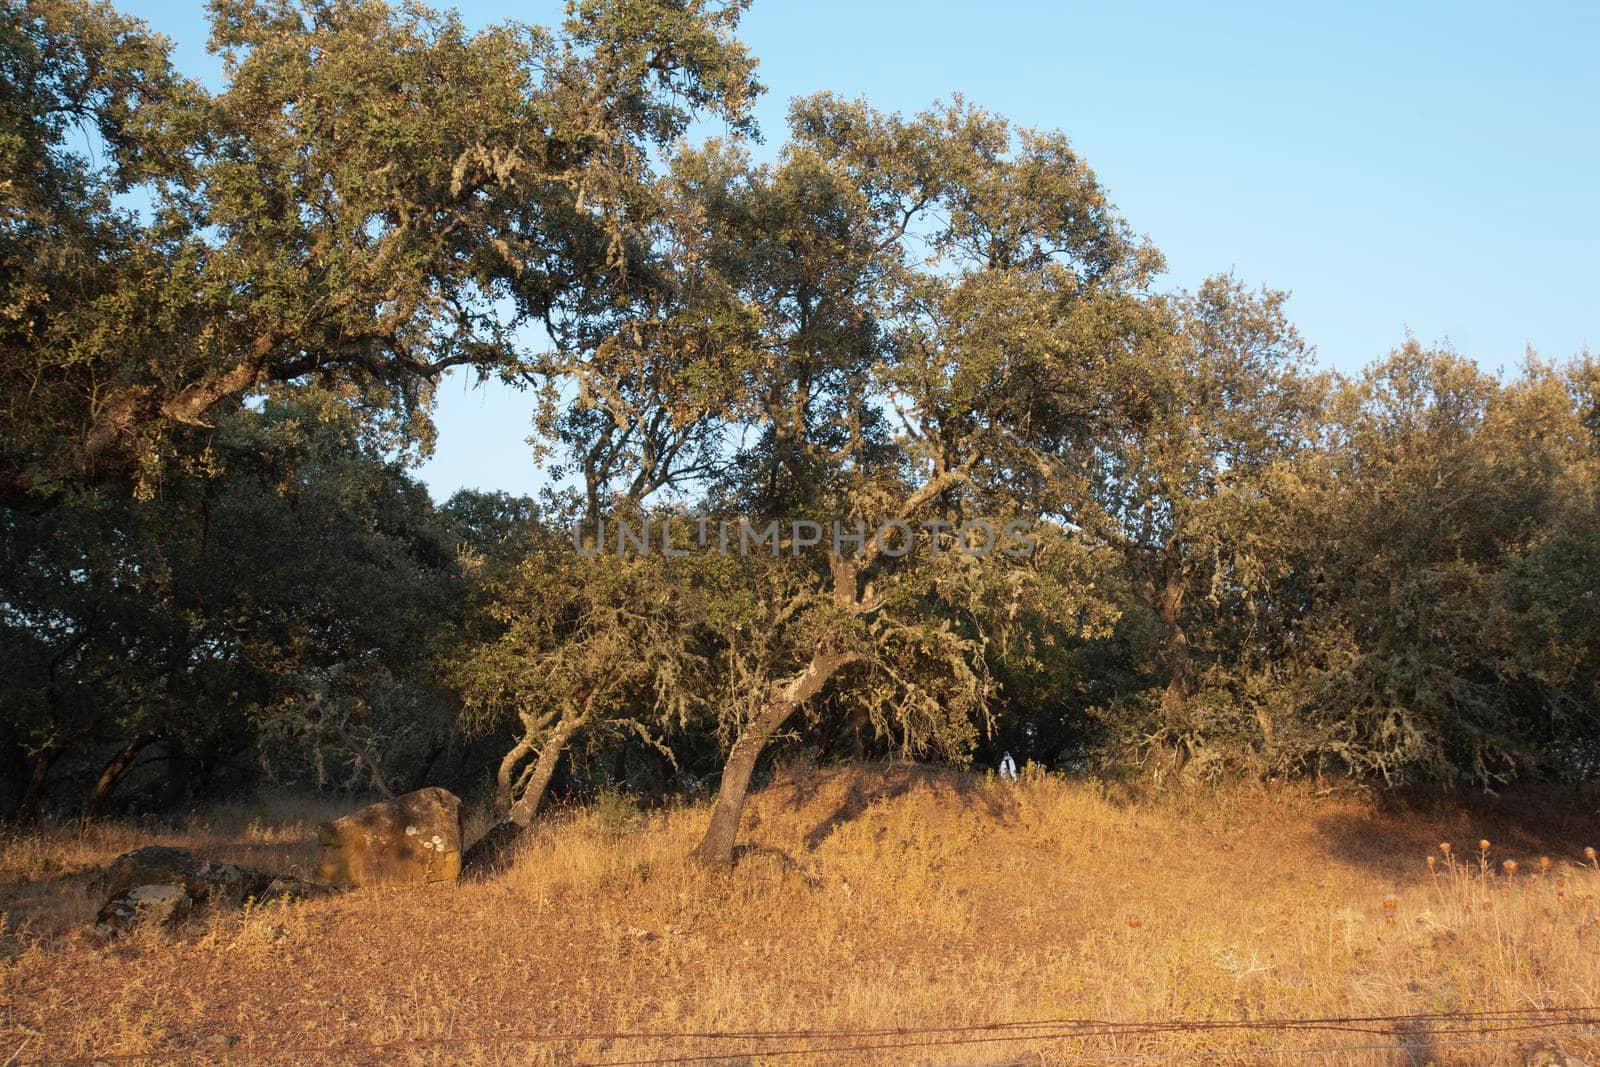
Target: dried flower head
x,y
1483,846
1510,866
1432,862
1545,864
1444,846
1588,853
1135,922
1390,903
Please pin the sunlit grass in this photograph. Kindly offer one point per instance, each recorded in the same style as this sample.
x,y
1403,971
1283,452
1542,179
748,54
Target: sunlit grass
x,y
878,898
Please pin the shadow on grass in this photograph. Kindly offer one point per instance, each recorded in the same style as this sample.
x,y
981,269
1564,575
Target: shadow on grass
x,y
871,783
1401,829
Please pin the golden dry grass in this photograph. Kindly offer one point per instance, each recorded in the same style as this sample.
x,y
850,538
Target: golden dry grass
x,y
883,897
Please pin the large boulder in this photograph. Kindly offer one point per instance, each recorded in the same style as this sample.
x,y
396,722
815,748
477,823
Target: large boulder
x,y
163,905
203,880
410,839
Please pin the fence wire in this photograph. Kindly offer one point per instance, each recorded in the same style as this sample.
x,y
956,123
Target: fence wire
x,y
1419,1031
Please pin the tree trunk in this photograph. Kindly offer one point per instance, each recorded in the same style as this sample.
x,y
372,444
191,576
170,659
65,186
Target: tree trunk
x,y
178,777
28,806
13,774
1178,747
1175,642
425,775
544,768
494,847
716,848
110,775
504,777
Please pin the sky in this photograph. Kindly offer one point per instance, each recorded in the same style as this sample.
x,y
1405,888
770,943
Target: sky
x,y
1423,168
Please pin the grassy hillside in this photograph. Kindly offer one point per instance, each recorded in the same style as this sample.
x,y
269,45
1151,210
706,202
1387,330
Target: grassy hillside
x,y
877,898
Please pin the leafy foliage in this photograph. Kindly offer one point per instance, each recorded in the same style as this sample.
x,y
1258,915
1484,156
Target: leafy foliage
x,y
223,315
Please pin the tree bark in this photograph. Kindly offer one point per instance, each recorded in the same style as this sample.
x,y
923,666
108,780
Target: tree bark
x,y
716,847
110,775
1180,669
178,777
1167,601
14,768
28,806
544,768
425,775
504,777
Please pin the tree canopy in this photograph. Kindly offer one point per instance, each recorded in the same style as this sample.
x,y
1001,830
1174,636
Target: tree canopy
x,y
989,483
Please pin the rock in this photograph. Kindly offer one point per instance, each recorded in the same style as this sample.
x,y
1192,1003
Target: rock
x,y
1550,1054
162,886
140,905
286,889
410,839
204,880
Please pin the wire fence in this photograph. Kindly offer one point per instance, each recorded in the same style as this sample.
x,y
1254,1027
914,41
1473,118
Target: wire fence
x,y
1422,1032
1297,1051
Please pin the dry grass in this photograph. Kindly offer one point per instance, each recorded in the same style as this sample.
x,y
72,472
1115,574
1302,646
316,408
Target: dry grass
x,y
903,897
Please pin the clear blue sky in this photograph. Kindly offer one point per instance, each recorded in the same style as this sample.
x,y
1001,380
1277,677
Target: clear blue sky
x,y
1430,167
